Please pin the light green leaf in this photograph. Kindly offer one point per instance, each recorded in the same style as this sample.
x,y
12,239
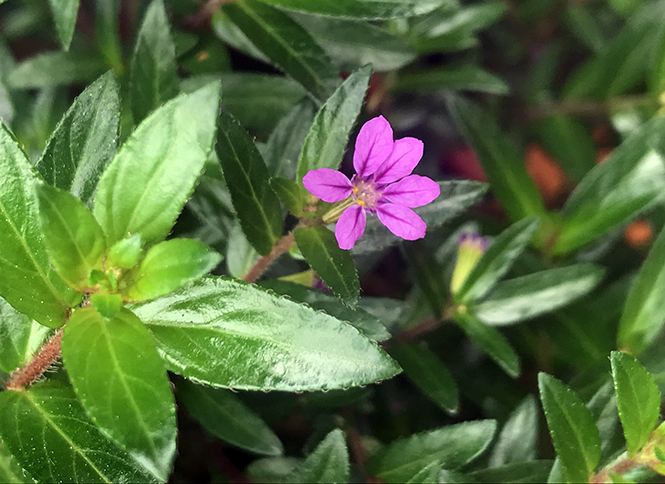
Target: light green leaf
x,y
572,428
518,440
361,9
240,255
230,334
225,416
148,182
125,253
638,400
327,138
153,72
10,471
122,384
453,446
248,182
462,78
329,462
334,265
64,14
232,35
20,337
108,305
48,424
51,69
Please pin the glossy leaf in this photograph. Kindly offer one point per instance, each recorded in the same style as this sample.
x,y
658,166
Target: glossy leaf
x,y
638,400
529,296
84,141
225,416
153,72
167,266
10,471
74,240
230,334
108,305
48,424
248,182
535,472
497,261
334,265
491,341
427,371
20,337
125,253
518,439
366,9
122,384
27,281
286,140
572,428
64,14
326,141
148,182
462,78
51,69
288,45
329,462
453,446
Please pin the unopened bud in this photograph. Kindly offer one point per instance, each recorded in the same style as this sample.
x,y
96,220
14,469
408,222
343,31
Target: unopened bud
x,y
471,247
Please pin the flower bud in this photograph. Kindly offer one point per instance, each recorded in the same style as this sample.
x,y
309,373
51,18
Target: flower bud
x,y
471,247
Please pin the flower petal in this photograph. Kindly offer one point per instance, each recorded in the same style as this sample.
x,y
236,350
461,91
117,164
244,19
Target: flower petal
x,y
412,191
406,154
401,221
373,145
350,227
329,185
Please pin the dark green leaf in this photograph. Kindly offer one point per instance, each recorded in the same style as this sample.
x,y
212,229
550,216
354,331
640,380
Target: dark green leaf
x,y
64,14
638,400
74,240
232,35
230,334
55,69
534,472
327,138
288,45
20,337
122,384
428,372
107,32
365,9
463,78
167,266
285,142
334,265
497,261
529,296
84,141
292,195
27,281
153,174
430,474
225,416
518,440
47,424
248,182
10,471
572,428
329,462
502,162
429,274
453,446
491,341
240,255
153,71
271,469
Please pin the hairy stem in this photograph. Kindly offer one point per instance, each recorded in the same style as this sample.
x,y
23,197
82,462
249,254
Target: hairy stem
x,y
620,467
283,244
48,355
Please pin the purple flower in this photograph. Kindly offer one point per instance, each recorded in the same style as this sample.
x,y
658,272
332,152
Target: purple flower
x,y
383,185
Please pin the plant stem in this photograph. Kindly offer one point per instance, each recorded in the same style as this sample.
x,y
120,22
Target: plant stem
x,y
587,108
26,376
283,244
203,15
622,466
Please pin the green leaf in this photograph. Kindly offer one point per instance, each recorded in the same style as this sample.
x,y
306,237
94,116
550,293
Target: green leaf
x,y
363,321
224,415
47,424
329,462
428,372
230,334
502,162
108,305
462,78
430,474
334,265
491,341
518,440
572,428
167,266
497,261
51,69
240,255
292,195
20,337
27,281
153,174
286,141
616,190
535,472
122,384
271,469
107,32
125,253
64,14
638,400
429,274
361,9
529,296
10,471
327,138
74,240
288,45
84,141
453,446
248,182
153,72
569,142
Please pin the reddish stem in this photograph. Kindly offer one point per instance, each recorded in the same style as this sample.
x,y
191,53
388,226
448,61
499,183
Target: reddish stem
x,y
48,355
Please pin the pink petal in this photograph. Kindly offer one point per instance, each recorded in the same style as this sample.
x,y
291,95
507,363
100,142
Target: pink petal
x,y
406,154
350,227
412,191
401,221
329,185
373,145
